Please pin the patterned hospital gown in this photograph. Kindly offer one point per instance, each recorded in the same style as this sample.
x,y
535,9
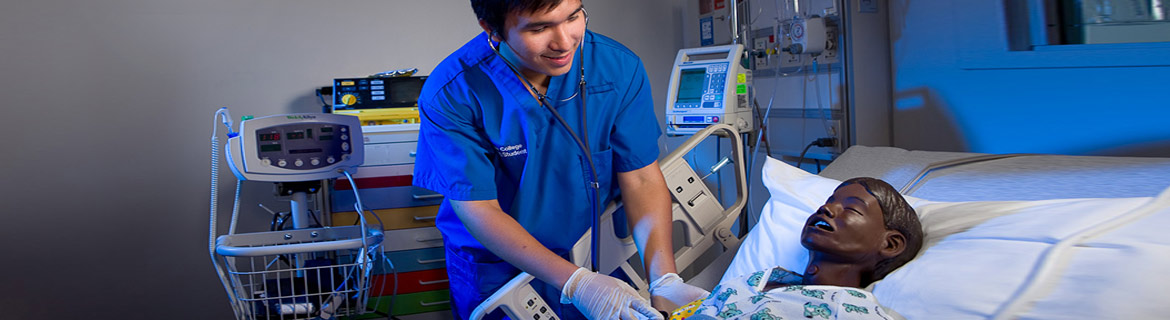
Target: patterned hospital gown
x,y
744,298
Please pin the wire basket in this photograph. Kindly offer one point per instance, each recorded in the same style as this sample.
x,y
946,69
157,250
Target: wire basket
x,y
318,273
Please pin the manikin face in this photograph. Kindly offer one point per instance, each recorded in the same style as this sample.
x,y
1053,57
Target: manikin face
x,y
849,227
546,40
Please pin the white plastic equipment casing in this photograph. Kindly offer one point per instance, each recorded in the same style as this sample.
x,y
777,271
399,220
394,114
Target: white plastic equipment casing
x,y
810,34
346,149
722,101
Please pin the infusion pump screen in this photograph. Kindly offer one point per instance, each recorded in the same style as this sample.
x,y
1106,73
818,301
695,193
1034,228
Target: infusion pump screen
x,y
690,85
701,87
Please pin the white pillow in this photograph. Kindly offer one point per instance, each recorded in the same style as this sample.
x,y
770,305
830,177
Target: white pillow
x,y
978,255
775,240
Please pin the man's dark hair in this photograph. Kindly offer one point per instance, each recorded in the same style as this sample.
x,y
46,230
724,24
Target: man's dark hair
x,y
897,214
494,12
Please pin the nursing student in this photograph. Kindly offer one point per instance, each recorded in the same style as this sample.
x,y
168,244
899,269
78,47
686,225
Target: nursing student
x,y
506,123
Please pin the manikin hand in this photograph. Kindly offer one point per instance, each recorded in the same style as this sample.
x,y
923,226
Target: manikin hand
x,y
603,297
669,292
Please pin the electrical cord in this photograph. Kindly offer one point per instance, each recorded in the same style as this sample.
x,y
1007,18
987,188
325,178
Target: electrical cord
x,y
820,142
325,107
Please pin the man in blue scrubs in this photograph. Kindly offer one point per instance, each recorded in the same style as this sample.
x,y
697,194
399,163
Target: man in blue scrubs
x,y
517,185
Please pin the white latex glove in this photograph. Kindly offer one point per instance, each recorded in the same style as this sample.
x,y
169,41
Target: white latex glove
x,y
603,297
669,292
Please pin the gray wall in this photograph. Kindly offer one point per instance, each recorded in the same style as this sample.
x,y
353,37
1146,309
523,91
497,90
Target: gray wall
x,y
108,114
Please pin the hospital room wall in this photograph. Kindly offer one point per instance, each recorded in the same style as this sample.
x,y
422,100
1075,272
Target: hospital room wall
x,y
951,95
797,96
108,112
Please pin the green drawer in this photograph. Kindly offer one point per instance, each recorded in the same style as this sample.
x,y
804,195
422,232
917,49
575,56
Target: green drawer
x,y
427,301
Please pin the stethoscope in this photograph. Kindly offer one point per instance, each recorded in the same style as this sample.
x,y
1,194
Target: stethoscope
x,y
581,144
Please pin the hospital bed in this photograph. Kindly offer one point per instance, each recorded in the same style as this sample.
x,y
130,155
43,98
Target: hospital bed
x,y
1014,236
1007,236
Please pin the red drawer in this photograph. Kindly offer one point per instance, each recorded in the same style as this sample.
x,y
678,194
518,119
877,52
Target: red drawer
x,y
409,282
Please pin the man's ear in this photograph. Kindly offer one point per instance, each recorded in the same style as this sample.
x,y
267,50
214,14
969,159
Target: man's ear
x,y
495,36
894,244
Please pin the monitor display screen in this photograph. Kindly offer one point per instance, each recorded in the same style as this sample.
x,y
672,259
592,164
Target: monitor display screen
x,y
690,85
404,91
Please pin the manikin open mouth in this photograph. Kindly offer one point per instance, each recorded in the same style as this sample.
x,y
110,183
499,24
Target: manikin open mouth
x,y
822,224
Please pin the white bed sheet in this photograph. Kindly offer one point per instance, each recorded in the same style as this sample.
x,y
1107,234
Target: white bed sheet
x,y
979,257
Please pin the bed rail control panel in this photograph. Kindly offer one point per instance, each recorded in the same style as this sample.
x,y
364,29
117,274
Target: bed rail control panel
x,y
518,300
295,147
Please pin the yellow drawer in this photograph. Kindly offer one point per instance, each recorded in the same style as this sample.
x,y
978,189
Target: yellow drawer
x,y
393,219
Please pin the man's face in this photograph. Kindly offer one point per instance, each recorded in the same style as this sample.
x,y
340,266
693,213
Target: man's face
x,y
546,40
848,227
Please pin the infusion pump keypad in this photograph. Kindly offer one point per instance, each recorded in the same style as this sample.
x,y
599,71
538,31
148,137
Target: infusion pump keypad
x,y
303,146
711,90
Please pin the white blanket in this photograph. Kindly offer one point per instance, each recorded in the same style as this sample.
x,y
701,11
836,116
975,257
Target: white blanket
x,y
1049,259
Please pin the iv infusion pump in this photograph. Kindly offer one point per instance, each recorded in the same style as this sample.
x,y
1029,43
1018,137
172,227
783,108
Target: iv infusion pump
x,y
708,85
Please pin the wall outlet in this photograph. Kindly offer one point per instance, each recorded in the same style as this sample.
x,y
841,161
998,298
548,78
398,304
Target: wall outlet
x,y
830,54
761,46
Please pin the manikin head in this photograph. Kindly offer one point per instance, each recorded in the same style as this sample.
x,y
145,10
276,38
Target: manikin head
x,y
866,227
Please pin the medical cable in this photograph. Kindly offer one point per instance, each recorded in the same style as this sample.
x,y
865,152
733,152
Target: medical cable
x,y
913,185
362,219
756,146
542,100
223,114
820,104
1047,265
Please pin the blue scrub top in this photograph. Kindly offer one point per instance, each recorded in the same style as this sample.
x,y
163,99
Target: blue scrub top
x,y
483,137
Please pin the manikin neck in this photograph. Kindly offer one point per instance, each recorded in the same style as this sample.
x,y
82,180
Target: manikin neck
x,y
822,272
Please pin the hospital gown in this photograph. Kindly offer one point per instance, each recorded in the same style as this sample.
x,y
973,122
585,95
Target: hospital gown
x,y
745,298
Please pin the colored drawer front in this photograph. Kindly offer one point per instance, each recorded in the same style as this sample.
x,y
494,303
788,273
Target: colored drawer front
x,y
407,260
374,136
418,259
389,153
409,282
392,219
410,239
412,303
384,197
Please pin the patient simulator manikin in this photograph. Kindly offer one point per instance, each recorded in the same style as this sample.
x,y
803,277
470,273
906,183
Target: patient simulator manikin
x,y
865,230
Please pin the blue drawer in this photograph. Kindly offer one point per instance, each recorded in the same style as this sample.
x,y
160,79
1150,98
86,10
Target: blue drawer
x,y
385,198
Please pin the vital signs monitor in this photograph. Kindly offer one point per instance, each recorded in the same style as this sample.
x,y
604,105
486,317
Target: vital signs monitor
x,y
295,147
708,85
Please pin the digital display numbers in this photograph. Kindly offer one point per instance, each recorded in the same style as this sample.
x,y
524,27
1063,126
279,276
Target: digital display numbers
x,y
269,147
296,135
269,136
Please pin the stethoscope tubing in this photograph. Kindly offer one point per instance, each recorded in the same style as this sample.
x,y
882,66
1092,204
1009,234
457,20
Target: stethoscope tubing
x,y
582,144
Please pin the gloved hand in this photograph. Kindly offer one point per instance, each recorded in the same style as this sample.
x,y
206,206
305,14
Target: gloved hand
x,y
603,297
669,292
